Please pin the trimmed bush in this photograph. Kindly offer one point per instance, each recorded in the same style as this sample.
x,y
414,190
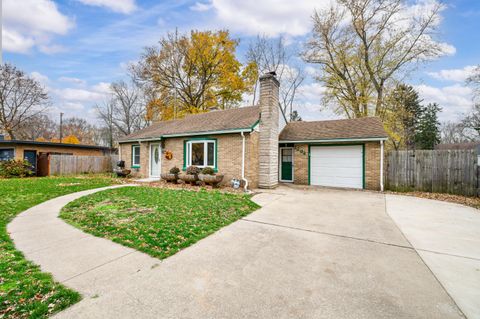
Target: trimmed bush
x,y
15,168
174,170
208,171
193,170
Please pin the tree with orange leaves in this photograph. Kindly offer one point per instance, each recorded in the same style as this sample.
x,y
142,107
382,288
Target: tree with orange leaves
x,y
193,73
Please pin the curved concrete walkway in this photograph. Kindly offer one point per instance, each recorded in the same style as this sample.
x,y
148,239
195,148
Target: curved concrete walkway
x,y
292,258
70,254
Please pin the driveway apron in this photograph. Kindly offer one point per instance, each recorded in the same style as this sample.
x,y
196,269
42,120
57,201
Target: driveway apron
x,y
447,237
304,254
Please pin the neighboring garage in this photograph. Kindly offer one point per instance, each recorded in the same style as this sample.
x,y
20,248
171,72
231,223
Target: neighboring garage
x,y
38,153
338,153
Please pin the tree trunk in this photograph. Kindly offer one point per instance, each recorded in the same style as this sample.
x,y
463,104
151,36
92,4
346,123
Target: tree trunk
x,y
10,134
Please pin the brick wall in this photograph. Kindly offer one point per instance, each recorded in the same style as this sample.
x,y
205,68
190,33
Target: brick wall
x,y
229,156
300,164
372,165
126,155
251,165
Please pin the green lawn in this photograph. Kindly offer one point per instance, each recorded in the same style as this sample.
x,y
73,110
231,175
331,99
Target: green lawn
x,y
26,292
159,222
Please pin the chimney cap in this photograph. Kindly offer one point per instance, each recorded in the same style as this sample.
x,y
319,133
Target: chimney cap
x,y
269,75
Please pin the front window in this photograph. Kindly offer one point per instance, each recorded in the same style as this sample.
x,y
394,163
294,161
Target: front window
x,y
135,155
7,154
201,153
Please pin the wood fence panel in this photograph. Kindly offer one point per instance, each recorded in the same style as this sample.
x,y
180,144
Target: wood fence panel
x,y
72,165
440,171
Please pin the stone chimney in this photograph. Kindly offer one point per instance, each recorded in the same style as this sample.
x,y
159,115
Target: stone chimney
x,y
268,135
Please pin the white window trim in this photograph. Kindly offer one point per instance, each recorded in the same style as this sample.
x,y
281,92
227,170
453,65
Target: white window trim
x,y
205,152
133,155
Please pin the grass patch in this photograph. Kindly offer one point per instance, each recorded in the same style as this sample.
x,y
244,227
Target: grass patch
x,y
159,222
26,292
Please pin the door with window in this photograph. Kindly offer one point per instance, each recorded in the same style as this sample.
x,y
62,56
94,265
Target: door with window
x,y
31,157
286,164
155,160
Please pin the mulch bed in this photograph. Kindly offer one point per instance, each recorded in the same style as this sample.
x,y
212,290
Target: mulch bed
x,y
458,199
186,186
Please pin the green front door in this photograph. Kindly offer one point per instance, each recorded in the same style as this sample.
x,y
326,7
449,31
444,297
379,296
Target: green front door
x,y
286,157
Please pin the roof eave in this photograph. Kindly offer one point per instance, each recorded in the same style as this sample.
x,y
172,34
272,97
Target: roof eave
x,y
359,139
239,130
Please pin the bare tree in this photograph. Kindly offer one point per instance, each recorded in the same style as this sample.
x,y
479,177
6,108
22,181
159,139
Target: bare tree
x,y
80,128
109,131
124,112
21,98
272,55
455,132
363,46
39,126
128,107
472,122
474,81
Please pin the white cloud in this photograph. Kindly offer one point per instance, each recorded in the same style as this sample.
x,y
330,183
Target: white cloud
x,y
15,42
200,6
311,71
75,81
73,106
269,17
102,88
309,103
454,100
52,49
43,79
30,23
455,75
93,94
312,92
447,49
120,6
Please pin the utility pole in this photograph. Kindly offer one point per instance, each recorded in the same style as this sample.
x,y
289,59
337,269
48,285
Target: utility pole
x,y
174,78
61,126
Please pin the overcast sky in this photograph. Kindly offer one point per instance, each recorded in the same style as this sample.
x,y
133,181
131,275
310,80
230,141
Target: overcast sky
x,y
77,47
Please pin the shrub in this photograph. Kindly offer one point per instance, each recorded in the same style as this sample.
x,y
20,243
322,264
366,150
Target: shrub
x,y
15,168
174,170
193,170
208,171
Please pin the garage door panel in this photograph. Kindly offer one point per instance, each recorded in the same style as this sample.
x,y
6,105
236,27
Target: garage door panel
x,y
337,166
354,174
353,163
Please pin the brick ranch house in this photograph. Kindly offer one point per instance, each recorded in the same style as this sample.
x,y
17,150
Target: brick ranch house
x,y
246,143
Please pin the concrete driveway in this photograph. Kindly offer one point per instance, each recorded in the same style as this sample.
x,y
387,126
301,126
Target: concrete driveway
x,y
304,254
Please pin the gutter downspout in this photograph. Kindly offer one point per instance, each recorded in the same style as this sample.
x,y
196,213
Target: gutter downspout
x,y
381,165
245,188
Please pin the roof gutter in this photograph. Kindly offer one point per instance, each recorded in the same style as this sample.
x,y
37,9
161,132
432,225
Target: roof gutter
x,y
365,139
239,130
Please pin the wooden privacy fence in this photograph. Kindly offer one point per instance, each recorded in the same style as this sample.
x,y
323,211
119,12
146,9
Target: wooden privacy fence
x,y
438,171
70,164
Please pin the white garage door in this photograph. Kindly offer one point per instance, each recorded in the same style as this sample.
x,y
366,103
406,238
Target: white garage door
x,y
337,166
